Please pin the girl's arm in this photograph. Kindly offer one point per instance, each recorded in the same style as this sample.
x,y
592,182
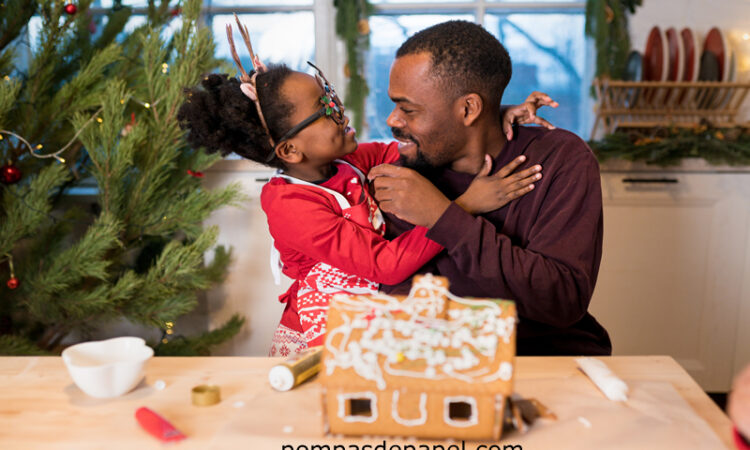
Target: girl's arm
x,y
310,222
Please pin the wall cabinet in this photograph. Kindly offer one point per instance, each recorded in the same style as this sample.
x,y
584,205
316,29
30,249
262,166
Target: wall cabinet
x,y
675,272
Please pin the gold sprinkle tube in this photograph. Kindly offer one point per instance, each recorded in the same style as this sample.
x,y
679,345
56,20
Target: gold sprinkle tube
x,y
296,369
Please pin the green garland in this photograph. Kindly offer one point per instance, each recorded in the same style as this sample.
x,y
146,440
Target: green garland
x,y
607,23
352,27
668,146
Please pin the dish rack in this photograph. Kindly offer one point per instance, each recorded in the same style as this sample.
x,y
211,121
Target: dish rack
x,y
650,104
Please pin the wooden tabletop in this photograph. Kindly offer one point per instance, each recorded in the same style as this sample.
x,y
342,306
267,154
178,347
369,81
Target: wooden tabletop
x,y
40,407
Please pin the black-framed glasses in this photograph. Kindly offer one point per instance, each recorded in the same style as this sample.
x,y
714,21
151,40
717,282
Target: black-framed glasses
x,y
331,107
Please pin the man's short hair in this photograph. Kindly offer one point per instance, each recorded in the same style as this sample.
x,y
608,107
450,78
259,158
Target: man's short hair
x,y
465,59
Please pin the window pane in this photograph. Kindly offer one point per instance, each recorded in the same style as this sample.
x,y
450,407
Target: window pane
x,y
276,38
547,50
548,54
387,35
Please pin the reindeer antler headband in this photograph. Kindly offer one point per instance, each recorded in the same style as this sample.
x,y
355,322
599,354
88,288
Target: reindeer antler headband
x,y
248,85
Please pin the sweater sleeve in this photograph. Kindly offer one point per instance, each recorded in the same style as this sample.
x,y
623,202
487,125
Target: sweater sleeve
x,y
309,222
549,268
371,154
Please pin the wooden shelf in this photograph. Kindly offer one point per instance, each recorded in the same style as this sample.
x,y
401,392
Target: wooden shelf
x,y
651,104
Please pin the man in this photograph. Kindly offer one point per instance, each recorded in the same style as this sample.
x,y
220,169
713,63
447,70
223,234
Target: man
x,y
542,250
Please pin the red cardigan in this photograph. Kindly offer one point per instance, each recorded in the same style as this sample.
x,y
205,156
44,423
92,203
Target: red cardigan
x,y
308,227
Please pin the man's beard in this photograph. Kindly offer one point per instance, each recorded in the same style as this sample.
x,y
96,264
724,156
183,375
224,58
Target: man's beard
x,y
420,164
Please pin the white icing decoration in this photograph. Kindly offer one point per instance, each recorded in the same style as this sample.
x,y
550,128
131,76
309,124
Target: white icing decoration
x,y
421,420
585,422
473,419
357,395
420,335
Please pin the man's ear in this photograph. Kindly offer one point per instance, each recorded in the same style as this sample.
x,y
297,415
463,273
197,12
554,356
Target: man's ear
x,y
288,152
471,108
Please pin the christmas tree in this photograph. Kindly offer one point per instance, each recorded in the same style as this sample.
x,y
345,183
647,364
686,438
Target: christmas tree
x,y
87,106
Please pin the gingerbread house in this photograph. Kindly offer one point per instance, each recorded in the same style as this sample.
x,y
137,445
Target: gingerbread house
x,y
429,365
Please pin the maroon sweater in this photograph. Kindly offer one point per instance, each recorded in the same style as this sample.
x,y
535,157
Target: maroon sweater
x,y
542,250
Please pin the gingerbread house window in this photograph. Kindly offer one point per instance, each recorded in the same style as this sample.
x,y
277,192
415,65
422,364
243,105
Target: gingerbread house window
x,y
460,411
358,407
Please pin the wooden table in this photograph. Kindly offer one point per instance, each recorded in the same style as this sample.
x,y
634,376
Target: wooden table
x,y
41,407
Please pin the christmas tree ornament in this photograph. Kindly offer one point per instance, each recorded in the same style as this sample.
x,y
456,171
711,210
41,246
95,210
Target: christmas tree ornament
x,y
10,174
195,173
12,283
70,9
176,11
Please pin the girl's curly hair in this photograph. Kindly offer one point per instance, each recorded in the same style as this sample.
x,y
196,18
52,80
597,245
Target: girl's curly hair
x,y
219,117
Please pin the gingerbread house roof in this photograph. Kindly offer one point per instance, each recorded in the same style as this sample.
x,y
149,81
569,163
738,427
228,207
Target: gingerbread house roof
x,y
430,340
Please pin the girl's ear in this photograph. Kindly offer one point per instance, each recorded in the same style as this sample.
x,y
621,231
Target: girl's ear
x,y
289,153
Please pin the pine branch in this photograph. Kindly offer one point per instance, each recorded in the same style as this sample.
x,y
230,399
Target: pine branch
x,y
26,208
9,90
201,345
14,15
667,147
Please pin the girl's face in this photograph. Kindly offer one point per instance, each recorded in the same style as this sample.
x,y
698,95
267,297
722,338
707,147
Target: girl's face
x,y
324,140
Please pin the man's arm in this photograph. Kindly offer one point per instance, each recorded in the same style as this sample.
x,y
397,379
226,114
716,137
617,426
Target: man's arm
x,y
550,263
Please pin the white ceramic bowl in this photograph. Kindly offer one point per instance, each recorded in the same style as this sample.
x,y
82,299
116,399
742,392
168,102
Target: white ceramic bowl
x,y
110,368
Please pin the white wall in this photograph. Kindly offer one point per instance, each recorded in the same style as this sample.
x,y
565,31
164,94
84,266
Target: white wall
x,y
249,288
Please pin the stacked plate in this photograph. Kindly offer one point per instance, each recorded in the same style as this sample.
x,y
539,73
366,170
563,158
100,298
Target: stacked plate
x,y
678,56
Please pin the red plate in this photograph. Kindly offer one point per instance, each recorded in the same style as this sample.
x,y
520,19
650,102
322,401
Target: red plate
x,y
655,57
692,57
716,44
676,55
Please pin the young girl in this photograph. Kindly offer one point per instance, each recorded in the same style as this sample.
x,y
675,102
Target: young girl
x,y
326,226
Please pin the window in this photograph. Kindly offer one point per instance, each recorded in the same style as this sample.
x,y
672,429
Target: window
x,y
545,40
358,407
460,411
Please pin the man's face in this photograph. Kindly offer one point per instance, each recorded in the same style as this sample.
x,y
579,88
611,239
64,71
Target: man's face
x,y
424,119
